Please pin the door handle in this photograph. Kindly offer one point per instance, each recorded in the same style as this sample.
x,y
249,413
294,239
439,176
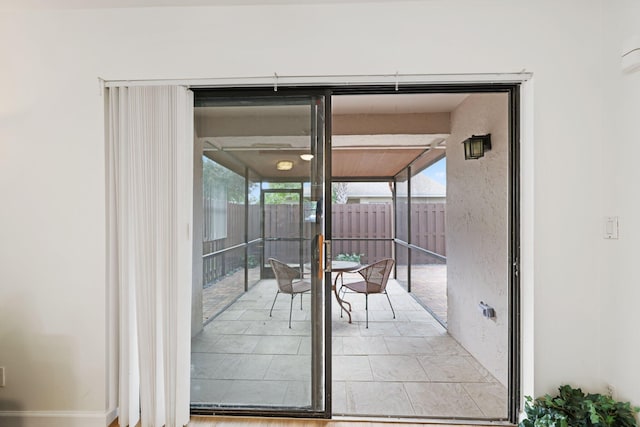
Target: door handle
x,y
327,256
320,258
317,257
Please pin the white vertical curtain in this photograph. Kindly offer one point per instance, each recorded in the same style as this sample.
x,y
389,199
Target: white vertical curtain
x,y
150,173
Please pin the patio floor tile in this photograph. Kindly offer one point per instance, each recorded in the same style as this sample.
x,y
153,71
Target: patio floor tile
x,y
407,345
277,345
289,367
353,368
364,345
298,394
445,345
378,398
397,368
244,366
420,329
339,402
207,391
491,398
442,400
256,393
451,369
235,344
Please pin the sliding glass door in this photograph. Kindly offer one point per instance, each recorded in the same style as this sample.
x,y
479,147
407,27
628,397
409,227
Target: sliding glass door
x,y
261,350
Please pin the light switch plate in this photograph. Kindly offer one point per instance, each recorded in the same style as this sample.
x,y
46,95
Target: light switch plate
x,y
611,227
1,376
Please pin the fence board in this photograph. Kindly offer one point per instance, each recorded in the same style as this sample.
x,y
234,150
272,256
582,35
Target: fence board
x,y
428,226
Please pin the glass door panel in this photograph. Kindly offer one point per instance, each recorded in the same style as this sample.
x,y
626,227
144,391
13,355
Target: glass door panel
x,y
264,352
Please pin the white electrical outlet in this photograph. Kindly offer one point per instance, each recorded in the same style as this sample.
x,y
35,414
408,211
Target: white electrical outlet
x,y
1,376
611,227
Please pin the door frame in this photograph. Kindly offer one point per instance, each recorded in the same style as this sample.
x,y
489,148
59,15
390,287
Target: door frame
x,y
510,86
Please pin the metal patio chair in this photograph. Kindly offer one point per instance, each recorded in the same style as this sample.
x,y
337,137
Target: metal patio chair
x,y
285,277
375,280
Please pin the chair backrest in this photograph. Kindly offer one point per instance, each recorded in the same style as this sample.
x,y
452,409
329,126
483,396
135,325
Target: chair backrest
x,y
284,275
377,274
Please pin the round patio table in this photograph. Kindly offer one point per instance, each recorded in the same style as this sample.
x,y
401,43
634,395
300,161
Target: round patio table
x,y
341,267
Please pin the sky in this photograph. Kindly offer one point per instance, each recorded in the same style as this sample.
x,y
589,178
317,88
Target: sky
x,y
438,171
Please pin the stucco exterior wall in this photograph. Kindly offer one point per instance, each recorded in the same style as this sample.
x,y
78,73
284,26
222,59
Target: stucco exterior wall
x,y
477,232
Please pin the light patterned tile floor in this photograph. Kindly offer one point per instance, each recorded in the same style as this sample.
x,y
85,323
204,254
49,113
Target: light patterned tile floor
x,y
429,285
409,366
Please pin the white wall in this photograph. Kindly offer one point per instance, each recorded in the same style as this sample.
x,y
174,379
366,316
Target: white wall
x,y
620,152
52,219
478,232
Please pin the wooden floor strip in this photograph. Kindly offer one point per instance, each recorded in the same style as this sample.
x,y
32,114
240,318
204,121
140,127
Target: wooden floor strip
x,y
282,422
216,421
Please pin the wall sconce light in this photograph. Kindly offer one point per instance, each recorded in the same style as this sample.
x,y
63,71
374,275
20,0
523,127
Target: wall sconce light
x,y
475,147
284,165
306,157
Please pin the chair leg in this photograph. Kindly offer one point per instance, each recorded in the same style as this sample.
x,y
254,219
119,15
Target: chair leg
x,y
394,313
291,309
366,308
274,302
301,300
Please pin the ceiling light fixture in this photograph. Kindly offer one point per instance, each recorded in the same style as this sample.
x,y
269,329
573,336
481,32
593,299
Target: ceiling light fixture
x,y
306,157
284,165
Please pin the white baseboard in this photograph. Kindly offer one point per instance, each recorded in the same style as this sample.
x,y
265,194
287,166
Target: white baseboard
x,y
56,418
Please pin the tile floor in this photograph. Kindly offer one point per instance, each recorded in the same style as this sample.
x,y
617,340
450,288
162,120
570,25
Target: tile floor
x,y
429,285
409,366
216,296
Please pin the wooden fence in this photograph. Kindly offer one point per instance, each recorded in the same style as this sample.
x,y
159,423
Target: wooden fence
x,y
365,229
352,223
428,226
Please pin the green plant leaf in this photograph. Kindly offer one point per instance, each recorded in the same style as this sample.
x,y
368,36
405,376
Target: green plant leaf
x,y
572,408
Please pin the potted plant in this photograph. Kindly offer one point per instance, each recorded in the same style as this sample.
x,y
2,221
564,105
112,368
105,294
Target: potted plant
x,y
572,408
349,257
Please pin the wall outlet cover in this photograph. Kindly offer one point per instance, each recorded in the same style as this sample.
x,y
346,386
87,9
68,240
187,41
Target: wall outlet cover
x,y
611,227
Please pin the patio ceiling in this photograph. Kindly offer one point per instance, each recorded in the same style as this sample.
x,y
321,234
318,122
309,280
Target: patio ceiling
x,y
373,135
